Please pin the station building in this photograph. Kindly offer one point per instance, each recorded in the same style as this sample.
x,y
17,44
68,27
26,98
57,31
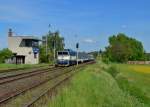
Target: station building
x,y
24,48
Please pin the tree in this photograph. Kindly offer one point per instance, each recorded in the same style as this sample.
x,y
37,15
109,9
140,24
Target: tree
x,y
43,57
147,56
54,40
123,48
5,54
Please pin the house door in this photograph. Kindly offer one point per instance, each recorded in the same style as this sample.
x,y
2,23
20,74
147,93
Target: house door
x,y
20,59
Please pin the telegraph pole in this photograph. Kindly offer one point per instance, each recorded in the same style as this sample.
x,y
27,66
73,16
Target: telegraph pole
x,y
46,45
54,53
47,40
54,47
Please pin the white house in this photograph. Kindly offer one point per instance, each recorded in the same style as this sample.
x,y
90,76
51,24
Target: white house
x,y
24,48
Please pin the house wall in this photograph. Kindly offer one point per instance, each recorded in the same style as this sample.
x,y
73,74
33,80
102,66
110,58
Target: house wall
x,y
14,46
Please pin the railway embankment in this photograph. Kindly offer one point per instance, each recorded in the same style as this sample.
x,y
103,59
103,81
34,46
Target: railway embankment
x,y
101,85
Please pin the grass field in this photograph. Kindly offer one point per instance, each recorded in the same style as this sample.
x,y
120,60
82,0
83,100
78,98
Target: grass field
x,y
140,68
101,85
135,80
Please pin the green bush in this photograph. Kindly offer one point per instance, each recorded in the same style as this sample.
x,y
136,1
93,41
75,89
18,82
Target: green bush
x,y
113,70
5,54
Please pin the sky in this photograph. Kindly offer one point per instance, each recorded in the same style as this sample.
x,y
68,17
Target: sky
x,y
89,22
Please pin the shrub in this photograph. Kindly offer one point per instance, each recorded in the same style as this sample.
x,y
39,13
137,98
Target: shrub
x,y
5,54
113,70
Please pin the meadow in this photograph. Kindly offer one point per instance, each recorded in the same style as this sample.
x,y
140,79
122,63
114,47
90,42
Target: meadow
x,y
101,85
135,79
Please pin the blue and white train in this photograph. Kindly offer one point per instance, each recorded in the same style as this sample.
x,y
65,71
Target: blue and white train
x,y
68,57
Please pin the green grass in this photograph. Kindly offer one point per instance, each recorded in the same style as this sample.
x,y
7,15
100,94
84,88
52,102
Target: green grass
x,y
14,66
94,87
135,81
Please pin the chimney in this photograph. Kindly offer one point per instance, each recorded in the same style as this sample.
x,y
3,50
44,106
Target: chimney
x,y
10,33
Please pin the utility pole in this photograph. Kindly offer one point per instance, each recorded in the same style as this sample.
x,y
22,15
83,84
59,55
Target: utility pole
x,y
54,47
54,52
47,40
46,44
49,33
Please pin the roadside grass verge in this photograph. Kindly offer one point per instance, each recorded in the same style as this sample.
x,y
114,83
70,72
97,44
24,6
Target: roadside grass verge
x,y
93,87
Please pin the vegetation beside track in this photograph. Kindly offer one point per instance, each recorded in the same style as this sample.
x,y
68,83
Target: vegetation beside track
x,y
14,66
100,85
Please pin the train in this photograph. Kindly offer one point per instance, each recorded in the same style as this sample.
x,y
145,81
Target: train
x,y
68,57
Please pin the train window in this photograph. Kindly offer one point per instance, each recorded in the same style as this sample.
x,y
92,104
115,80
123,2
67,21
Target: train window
x,y
72,53
65,53
62,53
59,53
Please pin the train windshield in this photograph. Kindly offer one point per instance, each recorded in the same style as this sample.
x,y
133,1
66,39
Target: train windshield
x,y
65,53
59,53
62,53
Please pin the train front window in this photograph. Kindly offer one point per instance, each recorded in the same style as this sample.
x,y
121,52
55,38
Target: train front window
x,y
65,53
62,53
59,53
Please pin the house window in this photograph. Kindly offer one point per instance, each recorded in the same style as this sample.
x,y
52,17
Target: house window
x,y
29,43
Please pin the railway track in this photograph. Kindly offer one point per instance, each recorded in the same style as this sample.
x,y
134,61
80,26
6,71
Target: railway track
x,y
53,74
35,99
14,77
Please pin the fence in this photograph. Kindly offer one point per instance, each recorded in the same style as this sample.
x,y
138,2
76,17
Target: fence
x,y
139,62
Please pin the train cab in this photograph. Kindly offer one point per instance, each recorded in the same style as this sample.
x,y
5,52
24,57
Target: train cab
x,y
66,57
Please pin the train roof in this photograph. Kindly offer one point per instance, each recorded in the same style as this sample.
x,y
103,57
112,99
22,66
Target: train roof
x,y
70,50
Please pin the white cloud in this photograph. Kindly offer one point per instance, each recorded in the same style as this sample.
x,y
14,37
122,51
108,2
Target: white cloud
x,y
88,40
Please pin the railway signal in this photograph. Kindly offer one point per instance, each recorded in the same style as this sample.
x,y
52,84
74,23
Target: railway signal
x,y
77,47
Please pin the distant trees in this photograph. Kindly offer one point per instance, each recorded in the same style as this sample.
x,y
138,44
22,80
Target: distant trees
x,y
96,54
5,54
53,40
123,48
147,56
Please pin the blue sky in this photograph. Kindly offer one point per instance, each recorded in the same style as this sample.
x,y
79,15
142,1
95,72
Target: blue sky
x,y
90,22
